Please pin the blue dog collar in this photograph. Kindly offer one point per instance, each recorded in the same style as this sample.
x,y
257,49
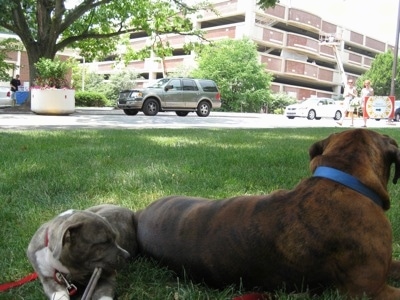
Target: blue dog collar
x,y
349,181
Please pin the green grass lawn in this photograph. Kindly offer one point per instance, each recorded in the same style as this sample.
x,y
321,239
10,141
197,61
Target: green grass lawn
x,y
43,173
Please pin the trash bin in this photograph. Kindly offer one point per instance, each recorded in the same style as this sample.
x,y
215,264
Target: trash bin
x,y
21,97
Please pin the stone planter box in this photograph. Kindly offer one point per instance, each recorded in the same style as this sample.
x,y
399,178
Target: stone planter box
x,y
53,101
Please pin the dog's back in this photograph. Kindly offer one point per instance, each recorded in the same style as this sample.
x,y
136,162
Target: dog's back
x,y
321,233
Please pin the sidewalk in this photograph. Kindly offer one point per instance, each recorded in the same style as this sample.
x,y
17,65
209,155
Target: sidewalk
x,y
78,110
16,118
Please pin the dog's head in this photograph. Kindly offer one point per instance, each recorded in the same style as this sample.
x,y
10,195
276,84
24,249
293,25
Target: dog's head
x,y
85,241
363,153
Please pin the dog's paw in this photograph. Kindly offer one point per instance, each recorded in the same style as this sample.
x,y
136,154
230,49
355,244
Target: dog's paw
x,y
60,296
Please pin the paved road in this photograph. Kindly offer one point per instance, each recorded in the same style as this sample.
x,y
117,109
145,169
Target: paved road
x,y
114,118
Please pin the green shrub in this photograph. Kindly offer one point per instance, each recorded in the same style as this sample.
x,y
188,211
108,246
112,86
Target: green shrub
x,y
279,102
91,99
52,72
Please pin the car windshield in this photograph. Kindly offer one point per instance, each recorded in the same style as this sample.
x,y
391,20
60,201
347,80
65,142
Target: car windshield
x,y
310,101
160,83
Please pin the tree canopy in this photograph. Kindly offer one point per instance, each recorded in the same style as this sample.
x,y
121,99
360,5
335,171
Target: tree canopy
x,y
380,75
48,26
243,81
267,3
6,46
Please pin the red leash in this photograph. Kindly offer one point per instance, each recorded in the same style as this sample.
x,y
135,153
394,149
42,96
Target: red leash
x,y
9,285
253,296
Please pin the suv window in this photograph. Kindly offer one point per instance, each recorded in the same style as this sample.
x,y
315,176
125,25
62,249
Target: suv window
x,y
189,85
208,85
159,83
176,84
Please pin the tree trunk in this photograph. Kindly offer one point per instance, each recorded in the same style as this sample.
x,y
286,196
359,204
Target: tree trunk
x,y
35,52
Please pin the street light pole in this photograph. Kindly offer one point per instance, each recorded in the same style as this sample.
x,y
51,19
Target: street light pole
x,y
395,56
83,74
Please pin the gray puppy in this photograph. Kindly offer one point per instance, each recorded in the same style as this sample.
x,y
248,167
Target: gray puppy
x,y
66,250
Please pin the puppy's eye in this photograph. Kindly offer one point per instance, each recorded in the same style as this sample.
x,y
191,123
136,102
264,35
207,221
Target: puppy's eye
x,y
99,249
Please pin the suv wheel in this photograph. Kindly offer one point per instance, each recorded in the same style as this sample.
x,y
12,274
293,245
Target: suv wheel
x,y
151,107
182,113
131,112
203,110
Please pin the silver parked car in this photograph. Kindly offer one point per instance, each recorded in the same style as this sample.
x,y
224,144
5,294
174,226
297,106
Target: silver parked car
x,y
182,95
5,97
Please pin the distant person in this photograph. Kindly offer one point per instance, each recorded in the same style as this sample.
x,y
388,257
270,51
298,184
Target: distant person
x,y
350,92
366,91
14,84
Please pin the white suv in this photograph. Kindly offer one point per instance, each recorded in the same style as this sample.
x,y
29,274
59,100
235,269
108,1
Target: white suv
x,y
182,95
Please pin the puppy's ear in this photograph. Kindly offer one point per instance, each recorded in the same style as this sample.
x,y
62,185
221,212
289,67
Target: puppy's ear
x,y
62,238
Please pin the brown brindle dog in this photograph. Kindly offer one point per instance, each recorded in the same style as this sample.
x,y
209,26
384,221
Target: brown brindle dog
x,y
329,231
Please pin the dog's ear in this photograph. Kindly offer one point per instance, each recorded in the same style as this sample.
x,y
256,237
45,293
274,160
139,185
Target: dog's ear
x,y
316,149
395,154
62,238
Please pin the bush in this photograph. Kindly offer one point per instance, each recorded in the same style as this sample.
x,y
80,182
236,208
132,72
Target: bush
x,y
279,102
52,72
91,99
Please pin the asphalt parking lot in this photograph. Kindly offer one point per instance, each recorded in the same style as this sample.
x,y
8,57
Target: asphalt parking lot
x,y
102,118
